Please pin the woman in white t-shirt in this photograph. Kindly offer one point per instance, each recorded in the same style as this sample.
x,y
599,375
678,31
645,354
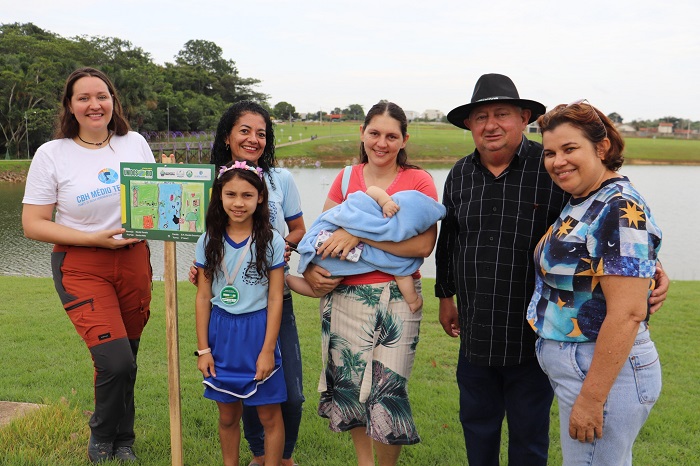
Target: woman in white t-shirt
x,y
102,279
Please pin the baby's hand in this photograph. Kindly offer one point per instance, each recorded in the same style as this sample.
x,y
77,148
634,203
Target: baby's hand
x,y
390,208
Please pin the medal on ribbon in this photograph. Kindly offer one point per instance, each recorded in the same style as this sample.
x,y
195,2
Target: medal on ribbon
x,y
229,295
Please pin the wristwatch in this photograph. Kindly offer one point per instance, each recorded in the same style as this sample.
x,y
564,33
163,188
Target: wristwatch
x,y
202,352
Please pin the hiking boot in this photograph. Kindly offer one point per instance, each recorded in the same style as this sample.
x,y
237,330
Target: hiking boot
x,y
99,451
125,453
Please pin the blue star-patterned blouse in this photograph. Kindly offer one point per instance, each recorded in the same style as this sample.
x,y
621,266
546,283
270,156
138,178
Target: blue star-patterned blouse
x,y
609,232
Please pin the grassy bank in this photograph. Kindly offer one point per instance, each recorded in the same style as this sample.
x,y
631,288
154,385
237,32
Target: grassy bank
x,y
13,170
431,142
428,143
44,361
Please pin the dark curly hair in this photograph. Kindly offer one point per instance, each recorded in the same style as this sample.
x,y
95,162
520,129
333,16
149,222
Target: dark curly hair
x,y
221,156
68,127
394,111
217,221
594,125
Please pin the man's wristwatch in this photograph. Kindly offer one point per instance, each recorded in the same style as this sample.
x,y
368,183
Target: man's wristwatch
x,y
202,352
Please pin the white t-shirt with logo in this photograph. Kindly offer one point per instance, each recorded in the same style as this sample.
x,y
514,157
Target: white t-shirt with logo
x,y
83,183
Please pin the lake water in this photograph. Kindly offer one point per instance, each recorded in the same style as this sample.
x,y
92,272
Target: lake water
x,y
671,191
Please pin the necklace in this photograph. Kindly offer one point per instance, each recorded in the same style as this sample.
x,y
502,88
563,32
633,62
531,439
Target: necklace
x,y
98,144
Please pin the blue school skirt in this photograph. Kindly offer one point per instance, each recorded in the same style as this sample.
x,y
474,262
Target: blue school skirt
x,y
236,341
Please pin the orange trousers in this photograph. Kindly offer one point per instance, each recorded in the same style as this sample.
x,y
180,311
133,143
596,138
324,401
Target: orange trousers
x,y
105,292
107,295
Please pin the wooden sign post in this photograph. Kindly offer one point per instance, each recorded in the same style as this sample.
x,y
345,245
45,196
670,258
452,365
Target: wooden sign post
x,y
172,338
167,202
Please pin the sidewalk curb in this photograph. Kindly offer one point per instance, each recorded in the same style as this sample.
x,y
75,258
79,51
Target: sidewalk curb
x,y
10,410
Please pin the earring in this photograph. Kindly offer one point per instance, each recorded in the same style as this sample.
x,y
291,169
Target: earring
x,y
228,148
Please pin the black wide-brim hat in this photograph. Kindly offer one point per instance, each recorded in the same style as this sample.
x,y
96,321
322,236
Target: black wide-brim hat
x,y
491,88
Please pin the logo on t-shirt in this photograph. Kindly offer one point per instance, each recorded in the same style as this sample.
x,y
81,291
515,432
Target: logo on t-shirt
x,y
108,176
251,275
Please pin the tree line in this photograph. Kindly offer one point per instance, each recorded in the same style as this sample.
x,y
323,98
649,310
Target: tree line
x,y
189,94
678,123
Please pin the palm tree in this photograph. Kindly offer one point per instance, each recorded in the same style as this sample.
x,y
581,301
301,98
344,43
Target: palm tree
x,y
352,362
386,329
390,394
394,293
326,316
342,392
366,294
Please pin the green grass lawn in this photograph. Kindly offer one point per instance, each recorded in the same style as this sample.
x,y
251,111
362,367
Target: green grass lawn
x,y
443,142
44,361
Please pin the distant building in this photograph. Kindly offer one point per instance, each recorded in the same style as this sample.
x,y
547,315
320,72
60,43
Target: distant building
x,y
411,115
623,128
665,128
533,128
433,115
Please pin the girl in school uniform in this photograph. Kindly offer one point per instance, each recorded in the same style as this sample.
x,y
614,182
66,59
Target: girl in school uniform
x,y
240,283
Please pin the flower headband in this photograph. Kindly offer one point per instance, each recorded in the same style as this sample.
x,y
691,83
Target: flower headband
x,y
240,164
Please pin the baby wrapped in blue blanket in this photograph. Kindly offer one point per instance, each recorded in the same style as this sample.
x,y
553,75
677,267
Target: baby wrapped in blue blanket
x,y
376,216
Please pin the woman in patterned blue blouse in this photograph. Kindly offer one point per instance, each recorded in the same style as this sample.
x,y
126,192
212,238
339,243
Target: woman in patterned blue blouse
x,y
589,308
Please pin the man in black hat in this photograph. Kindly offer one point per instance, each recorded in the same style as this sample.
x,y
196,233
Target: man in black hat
x,y
500,201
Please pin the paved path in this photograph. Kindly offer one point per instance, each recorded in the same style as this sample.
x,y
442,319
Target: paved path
x,y
10,410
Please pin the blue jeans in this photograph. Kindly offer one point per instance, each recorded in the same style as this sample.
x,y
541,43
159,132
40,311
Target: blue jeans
x,y
291,409
629,402
487,395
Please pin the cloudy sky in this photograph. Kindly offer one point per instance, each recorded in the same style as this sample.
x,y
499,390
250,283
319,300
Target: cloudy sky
x,y
639,58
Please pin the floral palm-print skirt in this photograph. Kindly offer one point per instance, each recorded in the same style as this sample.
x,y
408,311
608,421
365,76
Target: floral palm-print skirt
x,y
369,339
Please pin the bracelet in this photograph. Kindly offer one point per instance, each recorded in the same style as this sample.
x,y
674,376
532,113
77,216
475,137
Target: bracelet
x,y
202,352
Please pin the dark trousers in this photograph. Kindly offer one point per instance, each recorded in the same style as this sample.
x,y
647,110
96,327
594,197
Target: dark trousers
x,y
522,394
292,408
115,377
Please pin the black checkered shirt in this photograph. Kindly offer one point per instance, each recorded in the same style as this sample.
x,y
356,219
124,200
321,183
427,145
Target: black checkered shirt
x,y
485,249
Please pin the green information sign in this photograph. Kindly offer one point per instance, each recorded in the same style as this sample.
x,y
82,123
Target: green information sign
x,y
165,201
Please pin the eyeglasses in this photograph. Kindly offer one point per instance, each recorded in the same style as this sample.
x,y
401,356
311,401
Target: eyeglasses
x,y
585,101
